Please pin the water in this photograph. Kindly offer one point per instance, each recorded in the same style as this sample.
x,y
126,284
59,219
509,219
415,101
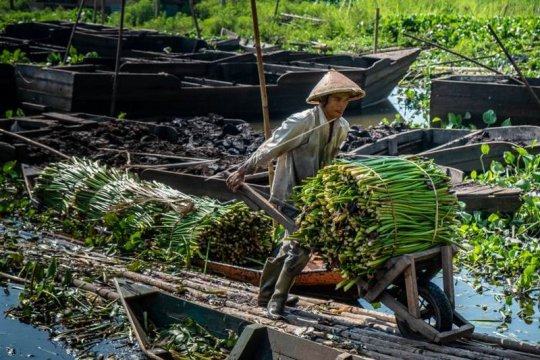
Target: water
x,y
19,340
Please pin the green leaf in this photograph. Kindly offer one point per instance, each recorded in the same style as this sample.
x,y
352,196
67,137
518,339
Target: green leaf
x,y
8,167
523,184
51,271
489,117
507,122
436,119
509,157
493,217
521,151
484,148
497,167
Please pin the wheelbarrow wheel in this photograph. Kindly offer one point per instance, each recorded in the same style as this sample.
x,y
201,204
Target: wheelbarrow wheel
x,y
435,309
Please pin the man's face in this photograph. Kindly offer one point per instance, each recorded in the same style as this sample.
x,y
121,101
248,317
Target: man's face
x,y
336,105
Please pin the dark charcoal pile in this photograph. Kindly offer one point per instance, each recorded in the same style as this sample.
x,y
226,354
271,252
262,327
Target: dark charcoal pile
x,y
359,136
227,140
213,137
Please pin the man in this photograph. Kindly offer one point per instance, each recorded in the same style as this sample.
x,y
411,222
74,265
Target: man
x,y
303,144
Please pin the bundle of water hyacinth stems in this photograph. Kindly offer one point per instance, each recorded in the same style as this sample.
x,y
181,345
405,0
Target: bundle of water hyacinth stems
x,y
184,224
359,214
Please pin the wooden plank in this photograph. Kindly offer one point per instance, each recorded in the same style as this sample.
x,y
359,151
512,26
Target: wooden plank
x,y
448,273
402,312
412,290
426,254
455,334
387,279
68,118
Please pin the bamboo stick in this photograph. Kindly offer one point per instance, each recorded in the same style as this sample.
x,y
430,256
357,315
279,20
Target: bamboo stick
x,y
96,289
518,70
13,278
32,142
262,83
117,59
461,56
73,29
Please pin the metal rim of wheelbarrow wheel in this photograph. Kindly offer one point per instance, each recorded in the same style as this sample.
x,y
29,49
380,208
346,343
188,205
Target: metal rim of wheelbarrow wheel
x,y
435,309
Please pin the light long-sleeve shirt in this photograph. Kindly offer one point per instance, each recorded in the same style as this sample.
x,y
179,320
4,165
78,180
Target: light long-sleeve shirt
x,y
299,156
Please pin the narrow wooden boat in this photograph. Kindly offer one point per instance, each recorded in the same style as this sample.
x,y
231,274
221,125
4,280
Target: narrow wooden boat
x,y
410,142
460,149
147,307
229,88
477,94
101,39
8,99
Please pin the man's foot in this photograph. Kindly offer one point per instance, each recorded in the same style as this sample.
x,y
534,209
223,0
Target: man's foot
x,y
275,310
292,300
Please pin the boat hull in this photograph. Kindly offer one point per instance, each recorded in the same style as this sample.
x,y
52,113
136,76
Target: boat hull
x,y
477,94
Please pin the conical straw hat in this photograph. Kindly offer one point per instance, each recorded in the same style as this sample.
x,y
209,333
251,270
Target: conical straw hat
x,y
334,82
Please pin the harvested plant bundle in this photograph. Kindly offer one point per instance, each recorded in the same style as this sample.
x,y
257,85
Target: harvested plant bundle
x,y
182,223
359,214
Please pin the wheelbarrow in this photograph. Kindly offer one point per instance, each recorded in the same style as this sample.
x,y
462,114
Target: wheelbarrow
x,y
423,311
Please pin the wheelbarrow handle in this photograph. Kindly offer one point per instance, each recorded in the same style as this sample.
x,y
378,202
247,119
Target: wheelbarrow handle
x,y
265,205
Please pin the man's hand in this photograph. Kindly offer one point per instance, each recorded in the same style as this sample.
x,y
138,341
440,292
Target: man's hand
x,y
236,179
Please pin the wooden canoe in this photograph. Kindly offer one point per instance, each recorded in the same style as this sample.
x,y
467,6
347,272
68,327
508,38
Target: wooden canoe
x,y
458,149
477,94
198,87
146,305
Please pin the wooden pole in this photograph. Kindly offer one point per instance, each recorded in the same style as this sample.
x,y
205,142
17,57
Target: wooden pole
x,y
94,14
118,55
262,83
33,142
156,8
102,11
461,56
68,47
518,70
276,8
195,22
376,31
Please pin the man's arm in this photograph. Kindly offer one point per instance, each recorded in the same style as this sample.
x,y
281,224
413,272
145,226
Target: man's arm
x,y
287,137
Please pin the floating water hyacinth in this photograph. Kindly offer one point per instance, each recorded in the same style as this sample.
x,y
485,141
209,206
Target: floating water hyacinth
x,y
359,214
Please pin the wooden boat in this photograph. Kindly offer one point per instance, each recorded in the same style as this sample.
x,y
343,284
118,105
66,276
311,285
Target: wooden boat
x,y
229,88
8,100
458,149
477,94
261,342
410,142
146,306
101,39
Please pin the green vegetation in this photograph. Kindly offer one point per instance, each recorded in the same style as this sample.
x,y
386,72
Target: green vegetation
x,y
505,248
359,214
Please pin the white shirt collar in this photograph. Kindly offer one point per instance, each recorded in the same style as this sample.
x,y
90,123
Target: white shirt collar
x,y
322,116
